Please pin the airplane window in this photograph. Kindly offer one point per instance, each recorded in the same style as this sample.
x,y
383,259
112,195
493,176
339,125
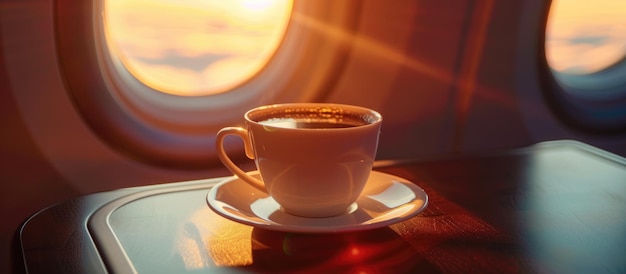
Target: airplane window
x,y
585,49
156,79
194,47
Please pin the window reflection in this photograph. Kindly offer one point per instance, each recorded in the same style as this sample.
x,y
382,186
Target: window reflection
x,y
194,47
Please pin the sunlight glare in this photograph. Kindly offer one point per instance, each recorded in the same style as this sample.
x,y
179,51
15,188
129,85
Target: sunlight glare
x,y
257,5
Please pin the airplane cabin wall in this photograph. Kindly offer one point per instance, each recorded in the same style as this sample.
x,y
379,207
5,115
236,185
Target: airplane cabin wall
x,y
442,73
456,77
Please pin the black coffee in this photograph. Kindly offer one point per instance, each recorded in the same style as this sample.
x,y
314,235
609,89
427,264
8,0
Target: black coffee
x,y
312,117
310,123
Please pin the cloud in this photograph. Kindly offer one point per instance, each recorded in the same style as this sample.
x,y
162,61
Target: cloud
x,y
585,49
174,59
591,40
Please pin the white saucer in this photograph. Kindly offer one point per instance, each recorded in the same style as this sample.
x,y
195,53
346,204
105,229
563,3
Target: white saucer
x,y
386,200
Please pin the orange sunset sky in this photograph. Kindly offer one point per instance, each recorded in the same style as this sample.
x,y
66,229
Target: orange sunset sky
x,y
195,45
585,36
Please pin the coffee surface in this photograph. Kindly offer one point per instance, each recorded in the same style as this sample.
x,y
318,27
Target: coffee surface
x,y
313,117
310,123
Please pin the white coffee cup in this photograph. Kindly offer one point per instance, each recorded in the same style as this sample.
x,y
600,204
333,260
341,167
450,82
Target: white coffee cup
x,y
314,159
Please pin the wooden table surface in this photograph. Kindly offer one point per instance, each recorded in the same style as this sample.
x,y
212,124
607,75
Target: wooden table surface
x,y
555,207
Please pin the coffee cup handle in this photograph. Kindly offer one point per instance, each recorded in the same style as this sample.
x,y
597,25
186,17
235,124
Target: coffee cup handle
x,y
221,153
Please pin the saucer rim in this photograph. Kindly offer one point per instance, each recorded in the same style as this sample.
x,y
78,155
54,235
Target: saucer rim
x,y
270,225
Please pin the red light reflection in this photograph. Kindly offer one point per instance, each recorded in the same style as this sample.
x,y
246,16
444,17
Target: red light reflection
x,y
376,251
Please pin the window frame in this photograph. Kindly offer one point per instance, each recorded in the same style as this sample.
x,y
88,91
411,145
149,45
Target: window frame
x,y
178,131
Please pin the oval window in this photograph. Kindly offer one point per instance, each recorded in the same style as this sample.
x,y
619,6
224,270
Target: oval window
x,y
161,95
194,47
585,46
